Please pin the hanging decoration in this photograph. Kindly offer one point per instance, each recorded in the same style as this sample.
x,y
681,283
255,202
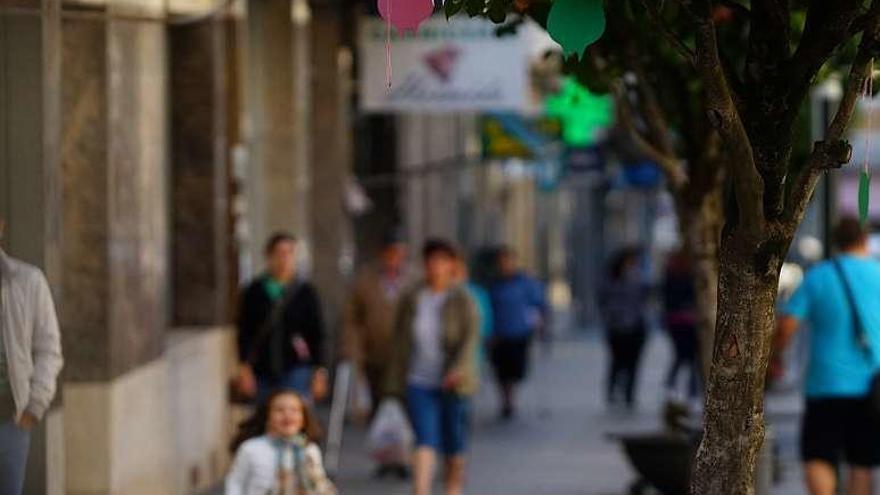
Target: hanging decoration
x,y
405,16
865,175
576,24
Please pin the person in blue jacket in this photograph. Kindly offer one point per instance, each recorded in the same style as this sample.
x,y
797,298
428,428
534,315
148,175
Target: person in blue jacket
x,y
519,310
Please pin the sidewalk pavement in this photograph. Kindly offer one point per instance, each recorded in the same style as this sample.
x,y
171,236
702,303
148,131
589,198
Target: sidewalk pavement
x,y
558,444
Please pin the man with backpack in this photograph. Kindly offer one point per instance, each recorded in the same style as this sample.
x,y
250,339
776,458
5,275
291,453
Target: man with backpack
x,y
838,301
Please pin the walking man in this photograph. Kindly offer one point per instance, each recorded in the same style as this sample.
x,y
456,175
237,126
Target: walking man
x,y
838,301
281,329
519,309
30,360
369,317
434,367
369,326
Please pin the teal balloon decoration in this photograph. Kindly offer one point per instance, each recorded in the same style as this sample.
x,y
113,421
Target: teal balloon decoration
x,y
576,24
864,196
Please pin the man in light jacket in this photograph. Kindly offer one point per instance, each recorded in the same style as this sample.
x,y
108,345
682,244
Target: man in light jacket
x,y
30,360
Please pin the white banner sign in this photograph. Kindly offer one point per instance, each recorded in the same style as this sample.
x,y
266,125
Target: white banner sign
x,y
453,66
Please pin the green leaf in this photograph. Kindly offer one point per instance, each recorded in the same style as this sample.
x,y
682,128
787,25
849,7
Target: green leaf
x,y
864,196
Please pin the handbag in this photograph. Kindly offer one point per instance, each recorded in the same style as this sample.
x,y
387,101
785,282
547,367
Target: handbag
x,y
862,340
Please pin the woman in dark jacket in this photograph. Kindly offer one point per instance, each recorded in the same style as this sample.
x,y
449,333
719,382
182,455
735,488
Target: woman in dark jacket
x,y
281,328
623,301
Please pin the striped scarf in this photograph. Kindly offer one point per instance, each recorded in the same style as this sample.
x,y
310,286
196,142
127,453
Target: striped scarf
x,y
296,445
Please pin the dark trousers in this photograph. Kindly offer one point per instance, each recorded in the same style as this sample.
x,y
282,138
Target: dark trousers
x,y
375,376
684,341
625,347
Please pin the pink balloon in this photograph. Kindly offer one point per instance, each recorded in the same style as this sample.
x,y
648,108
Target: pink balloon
x,y
406,15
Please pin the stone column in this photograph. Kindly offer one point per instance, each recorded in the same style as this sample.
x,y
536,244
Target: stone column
x,y
29,106
278,92
29,178
115,281
331,156
200,179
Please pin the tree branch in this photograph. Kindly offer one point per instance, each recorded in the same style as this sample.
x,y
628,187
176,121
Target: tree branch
x,y
671,167
828,25
769,37
658,126
747,181
833,152
737,87
737,7
862,22
663,28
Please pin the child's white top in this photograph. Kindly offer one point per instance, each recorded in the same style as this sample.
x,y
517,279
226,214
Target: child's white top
x,y
255,469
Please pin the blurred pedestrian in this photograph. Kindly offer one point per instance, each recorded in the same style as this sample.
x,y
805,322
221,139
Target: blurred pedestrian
x,y
623,300
838,301
484,306
680,308
276,451
519,310
434,367
369,323
30,360
281,328
369,316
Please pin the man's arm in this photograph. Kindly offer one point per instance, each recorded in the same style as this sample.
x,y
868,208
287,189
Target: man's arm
x,y
786,327
315,328
785,331
246,381
465,361
45,351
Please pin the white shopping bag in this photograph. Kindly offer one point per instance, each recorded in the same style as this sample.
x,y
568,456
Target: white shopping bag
x,y
390,438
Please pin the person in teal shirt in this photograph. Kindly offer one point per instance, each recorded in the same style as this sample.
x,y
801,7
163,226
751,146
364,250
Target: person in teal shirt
x,y
837,424
483,303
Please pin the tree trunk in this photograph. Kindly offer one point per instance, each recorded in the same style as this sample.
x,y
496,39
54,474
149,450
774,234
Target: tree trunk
x,y
701,231
734,434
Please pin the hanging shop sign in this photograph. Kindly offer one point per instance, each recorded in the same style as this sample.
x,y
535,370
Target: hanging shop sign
x,y
443,67
507,135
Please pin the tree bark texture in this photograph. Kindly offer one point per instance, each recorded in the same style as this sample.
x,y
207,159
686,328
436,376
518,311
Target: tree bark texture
x,y
734,431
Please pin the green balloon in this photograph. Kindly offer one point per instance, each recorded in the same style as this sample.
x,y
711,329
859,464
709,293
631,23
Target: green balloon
x,y
576,24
